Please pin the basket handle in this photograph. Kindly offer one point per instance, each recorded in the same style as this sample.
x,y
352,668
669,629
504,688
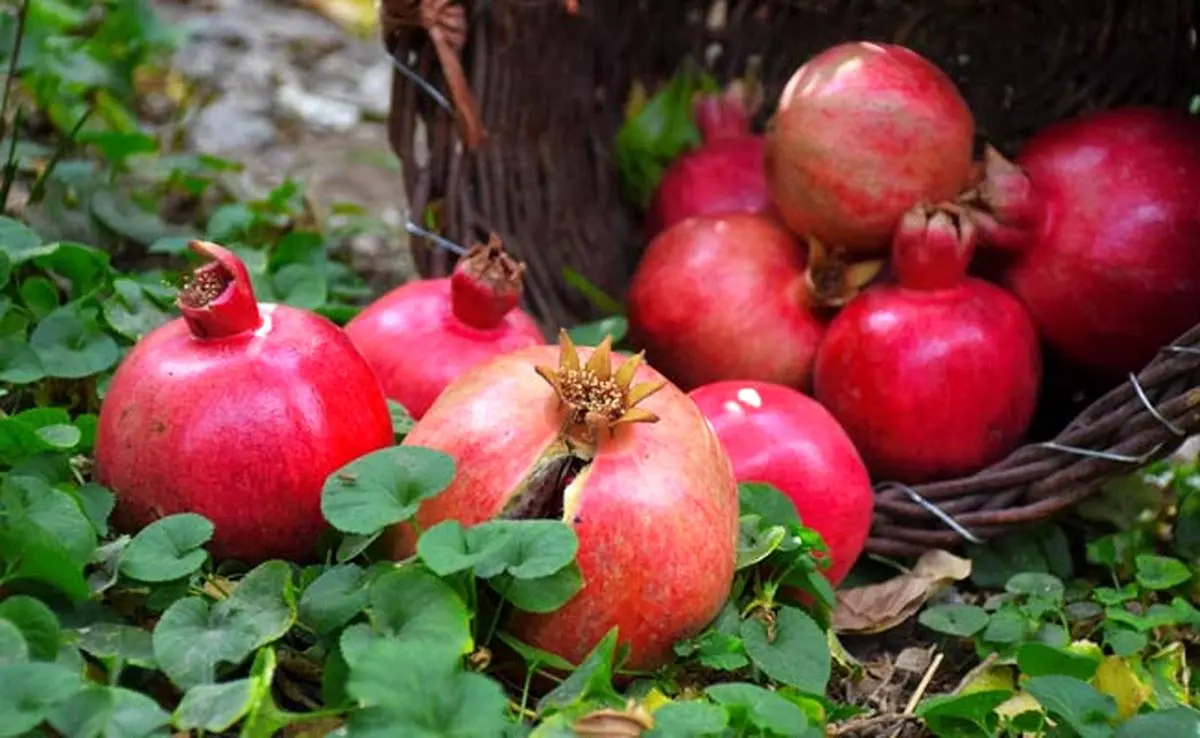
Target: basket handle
x,y
446,25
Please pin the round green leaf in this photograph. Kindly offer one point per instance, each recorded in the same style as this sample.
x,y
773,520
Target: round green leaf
x,y
192,638
168,548
130,312
107,712
1075,703
1036,584
384,487
411,605
1161,572
544,594
37,623
334,598
1039,659
19,242
1176,722
955,619
13,648
794,650
19,363
266,598
39,295
70,344
214,707
116,640
760,707
30,690
687,719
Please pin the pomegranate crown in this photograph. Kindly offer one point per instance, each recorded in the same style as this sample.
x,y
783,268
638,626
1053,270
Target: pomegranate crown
x,y
595,396
486,284
218,300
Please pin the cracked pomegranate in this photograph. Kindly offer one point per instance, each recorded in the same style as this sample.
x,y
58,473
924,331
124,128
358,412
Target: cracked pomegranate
x,y
936,375
422,335
776,435
237,411
730,296
1101,217
863,132
625,458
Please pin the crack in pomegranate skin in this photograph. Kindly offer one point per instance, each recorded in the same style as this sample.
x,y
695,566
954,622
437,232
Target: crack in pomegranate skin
x,y
206,284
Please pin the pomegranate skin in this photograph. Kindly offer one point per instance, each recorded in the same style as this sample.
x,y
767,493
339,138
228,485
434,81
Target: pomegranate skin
x,y
723,176
777,435
930,384
725,297
656,511
863,131
242,428
416,345
1110,263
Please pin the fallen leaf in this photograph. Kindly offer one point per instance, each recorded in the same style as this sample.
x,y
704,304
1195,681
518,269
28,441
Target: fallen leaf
x,y
879,607
360,17
1115,678
1019,703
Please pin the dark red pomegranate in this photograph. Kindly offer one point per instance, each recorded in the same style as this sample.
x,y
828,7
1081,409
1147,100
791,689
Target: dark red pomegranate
x,y
621,455
725,174
863,132
1102,214
777,435
422,335
937,375
730,296
237,411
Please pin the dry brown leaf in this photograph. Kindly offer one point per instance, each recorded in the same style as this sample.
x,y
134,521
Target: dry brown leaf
x,y
879,607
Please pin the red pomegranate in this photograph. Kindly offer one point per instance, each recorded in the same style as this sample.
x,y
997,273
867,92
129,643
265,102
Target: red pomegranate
x,y
237,411
730,296
653,502
725,174
863,132
422,335
777,435
937,375
1102,216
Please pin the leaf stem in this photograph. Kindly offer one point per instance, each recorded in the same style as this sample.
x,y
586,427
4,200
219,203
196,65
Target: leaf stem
x,y
39,186
12,64
10,163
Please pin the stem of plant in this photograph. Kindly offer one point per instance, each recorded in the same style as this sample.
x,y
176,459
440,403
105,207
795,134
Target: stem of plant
x,y
10,163
22,12
39,186
496,616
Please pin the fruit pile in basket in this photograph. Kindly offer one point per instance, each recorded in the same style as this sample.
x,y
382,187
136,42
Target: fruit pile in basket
x,y
849,296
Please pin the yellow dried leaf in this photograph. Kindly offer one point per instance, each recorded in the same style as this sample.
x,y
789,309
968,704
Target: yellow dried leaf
x,y
879,607
360,17
1115,678
655,699
1019,703
990,680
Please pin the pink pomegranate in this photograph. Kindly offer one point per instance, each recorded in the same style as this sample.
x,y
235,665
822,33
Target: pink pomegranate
x,y
779,436
937,375
1102,215
863,132
422,335
730,296
652,498
725,174
237,411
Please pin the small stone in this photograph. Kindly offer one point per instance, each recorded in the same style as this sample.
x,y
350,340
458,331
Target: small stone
x,y
231,124
914,660
318,112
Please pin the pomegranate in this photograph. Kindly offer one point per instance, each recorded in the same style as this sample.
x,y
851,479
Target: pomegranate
x,y
237,411
777,435
725,174
1102,215
421,335
622,456
935,375
863,132
729,297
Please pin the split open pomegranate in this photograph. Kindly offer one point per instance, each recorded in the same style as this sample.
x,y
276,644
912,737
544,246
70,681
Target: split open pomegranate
x,y
621,455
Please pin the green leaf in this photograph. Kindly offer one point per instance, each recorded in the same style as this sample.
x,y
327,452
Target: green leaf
x,y
970,715
1161,572
772,506
384,487
1075,703
403,692
793,650
34,554
1039,549
13,648
214,707
688,719
19,363
523,549
39,295
600,299
543,594
1038,659
116,640
334,598
30,502
267,597
192,638
30,691
97,503
86,268
591,681
954,619
402,420
1032,584
1177,722
168,549
131,312
109,712
411,605
20,243
71,344
752,705
591,334
755,542
36,623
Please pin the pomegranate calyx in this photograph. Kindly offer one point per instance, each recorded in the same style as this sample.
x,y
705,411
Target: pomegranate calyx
x,y
1007,192
727,114
831,281
218,299
933,246
486,284
595,396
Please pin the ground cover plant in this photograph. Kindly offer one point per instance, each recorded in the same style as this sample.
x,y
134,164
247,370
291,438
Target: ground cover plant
x,y
1082,629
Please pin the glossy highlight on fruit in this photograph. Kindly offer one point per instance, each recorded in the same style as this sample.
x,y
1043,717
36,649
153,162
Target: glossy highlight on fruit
x,y
777,435
237,411
621,455
936,375
863,132
422,335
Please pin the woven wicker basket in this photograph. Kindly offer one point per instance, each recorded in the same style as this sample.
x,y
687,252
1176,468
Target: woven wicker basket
x,y
546,80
